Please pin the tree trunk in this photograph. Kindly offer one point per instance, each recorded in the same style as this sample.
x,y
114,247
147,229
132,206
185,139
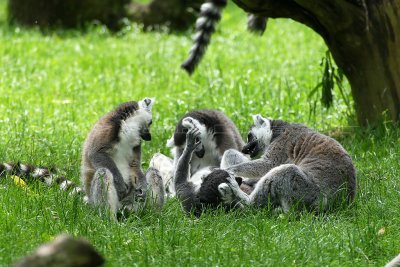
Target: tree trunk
x,y
175,14
364,39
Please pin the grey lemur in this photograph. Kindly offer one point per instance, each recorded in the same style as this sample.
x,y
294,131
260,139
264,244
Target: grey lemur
x,y
111,170
198,195
210,15
298,167
217,133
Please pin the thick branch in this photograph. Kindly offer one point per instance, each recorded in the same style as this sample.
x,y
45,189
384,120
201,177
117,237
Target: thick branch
x,y
283,9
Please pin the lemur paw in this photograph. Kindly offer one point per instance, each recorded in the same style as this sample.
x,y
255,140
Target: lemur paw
x,y
193,138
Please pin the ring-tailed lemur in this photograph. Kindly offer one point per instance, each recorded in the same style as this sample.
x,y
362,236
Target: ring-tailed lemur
x,y
298,167
210,15
111,171
196,196
217,133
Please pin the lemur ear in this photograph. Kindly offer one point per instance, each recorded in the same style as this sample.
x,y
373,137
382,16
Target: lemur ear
x,y
259,120
147,103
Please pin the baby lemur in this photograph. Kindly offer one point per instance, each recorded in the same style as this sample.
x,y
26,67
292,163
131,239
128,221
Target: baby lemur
x,y
111,170
298,167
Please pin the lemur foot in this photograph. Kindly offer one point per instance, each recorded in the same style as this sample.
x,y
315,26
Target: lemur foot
x,y
231,193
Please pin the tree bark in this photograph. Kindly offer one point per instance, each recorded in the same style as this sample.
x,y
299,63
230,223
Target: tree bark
x,y
364,39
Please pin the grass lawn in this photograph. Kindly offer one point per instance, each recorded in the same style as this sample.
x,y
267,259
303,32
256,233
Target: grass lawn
x,y
54,86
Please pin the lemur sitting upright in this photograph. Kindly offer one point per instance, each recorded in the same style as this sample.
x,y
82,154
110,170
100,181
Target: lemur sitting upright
x,y
217,133
111,170
298,167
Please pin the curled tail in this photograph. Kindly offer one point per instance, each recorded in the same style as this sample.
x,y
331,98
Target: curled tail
x,y
210,14
46,175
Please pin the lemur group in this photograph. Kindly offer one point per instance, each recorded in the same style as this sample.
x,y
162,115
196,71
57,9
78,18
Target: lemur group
x,y
282,166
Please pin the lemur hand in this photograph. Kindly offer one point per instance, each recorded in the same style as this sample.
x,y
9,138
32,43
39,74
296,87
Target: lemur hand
x,y
192,139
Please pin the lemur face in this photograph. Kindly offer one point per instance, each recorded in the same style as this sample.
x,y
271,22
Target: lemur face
x,y
259,136
190,123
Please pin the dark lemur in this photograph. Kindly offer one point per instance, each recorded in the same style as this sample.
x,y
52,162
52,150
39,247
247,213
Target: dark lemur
x,y
111,171
210,15
217,133
298,167
200,195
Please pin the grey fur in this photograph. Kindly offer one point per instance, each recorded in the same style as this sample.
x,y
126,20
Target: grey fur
x,y
111,171
299,167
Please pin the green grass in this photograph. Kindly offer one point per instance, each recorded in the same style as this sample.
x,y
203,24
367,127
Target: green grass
x,y
54,86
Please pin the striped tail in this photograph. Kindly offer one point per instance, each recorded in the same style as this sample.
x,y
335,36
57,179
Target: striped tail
x,y
210,15
43,174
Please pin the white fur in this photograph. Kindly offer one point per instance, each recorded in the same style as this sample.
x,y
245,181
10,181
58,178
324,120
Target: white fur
x,y
209,7
8,166
112,196
129,137
165,166
198,177
144,105
171,142
262,130
23,167
39,172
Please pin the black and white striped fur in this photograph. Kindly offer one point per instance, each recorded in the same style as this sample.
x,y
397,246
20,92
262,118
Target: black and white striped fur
x,y
43,174
210,15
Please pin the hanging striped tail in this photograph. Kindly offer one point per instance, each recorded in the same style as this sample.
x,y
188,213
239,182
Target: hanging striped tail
x,y
46,175
210,15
